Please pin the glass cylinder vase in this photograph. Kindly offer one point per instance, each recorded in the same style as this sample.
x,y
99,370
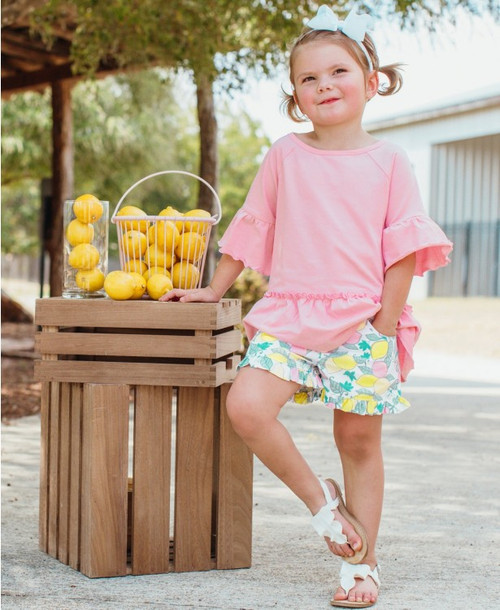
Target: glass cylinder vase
x,y
85,247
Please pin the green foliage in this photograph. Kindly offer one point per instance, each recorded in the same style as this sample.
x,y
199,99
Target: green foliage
x,y
125,128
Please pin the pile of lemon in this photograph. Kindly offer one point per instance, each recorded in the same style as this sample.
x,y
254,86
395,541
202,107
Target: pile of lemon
x,y
83,256
159,255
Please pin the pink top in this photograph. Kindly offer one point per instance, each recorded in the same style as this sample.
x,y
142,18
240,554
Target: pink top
x,y
325,225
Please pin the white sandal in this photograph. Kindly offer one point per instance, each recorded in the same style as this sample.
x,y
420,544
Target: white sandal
x,y
327,526
348,575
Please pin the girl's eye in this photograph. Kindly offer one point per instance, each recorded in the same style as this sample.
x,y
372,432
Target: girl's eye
x,y
307,79
339,71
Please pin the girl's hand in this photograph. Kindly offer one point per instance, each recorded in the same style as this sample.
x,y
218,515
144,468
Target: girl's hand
x,y
389,330
196,295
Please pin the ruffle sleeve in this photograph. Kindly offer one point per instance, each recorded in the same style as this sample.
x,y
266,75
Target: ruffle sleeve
x,y
419,234
250,240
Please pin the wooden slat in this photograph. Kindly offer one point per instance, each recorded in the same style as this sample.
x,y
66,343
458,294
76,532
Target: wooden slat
x,y
234,494
54,446
193,480
144,313
104,480
134,373
151,480
75,476
138,345
44,467
64,471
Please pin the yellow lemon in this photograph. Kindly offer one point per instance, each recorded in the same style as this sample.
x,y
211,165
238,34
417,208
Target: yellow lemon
x,y
190,247
379,349
78,232
154,270
278,358
134,243
267,337
301,398
404,402
135,265
157,257
87,208
84,256
139,285
137,225
197,227
90,280
331,367
170,211
367,381
345,362
185,275
158,284
167,235
371,406
119,285
348,404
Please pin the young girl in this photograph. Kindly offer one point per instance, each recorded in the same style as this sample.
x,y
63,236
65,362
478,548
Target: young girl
x,y
334,218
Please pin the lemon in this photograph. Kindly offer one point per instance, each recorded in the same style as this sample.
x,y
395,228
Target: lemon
x,y
84,256
348,404
185,275
119,285
153,270
345,362
87,208
139,285
190,247
135,266
158,285
157,257
134,243
90,280
379,349
170,211
198,227
78,232
137,225
167,234
367,381
381,385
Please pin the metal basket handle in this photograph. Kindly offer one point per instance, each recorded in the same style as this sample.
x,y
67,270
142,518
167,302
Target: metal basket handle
x,y
217,216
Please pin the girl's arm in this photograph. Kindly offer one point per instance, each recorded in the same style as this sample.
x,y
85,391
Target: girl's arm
x,y
397,284
226,273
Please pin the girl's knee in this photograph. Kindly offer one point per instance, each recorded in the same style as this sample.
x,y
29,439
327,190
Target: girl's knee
x,y
355,439
241,413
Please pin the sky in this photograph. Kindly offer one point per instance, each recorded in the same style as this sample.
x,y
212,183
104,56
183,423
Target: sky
x,y
452,64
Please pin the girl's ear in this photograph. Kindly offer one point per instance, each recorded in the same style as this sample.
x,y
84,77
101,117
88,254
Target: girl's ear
x,y
372,84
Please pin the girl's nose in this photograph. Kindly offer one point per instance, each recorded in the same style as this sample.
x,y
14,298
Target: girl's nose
x,y
324,84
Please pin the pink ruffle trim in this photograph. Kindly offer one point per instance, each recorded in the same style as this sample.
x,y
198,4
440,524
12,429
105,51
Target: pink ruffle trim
x,y
250,240
334,296
419,234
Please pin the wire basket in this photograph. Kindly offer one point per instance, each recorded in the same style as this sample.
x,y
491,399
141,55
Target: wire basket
x,y
175,245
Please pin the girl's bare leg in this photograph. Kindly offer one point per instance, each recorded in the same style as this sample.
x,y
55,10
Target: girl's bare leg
x,y
253,405
358,439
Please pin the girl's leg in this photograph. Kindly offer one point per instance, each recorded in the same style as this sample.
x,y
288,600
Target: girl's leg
x,y
253,405
358,439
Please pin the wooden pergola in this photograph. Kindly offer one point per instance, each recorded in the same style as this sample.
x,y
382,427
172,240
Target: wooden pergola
x,y
28,64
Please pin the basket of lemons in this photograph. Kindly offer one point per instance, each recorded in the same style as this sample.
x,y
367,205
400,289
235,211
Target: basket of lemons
x,y
159,252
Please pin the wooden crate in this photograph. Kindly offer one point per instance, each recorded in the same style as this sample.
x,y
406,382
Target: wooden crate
x,y
164,371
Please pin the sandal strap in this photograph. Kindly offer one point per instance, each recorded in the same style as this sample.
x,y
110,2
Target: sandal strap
x,y
324,522
349,572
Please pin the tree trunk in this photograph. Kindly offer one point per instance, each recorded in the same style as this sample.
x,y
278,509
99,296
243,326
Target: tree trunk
x,y
62,178
209,160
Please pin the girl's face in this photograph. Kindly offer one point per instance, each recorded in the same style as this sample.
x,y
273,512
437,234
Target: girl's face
x,y
331,87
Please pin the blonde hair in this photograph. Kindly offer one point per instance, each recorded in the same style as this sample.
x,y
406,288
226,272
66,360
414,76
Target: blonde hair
x,y
392,71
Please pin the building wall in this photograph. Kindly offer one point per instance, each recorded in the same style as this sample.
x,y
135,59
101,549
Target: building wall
x,y
473,128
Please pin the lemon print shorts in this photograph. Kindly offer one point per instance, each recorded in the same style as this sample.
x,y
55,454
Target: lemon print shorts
x,y
361,376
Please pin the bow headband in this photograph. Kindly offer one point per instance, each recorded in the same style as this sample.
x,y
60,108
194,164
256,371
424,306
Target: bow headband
x,y
354,26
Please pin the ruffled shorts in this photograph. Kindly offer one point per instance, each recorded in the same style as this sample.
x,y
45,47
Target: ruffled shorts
x,y
361,376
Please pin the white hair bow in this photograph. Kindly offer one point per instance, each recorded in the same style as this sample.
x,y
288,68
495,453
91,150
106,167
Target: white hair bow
x,y
354,26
